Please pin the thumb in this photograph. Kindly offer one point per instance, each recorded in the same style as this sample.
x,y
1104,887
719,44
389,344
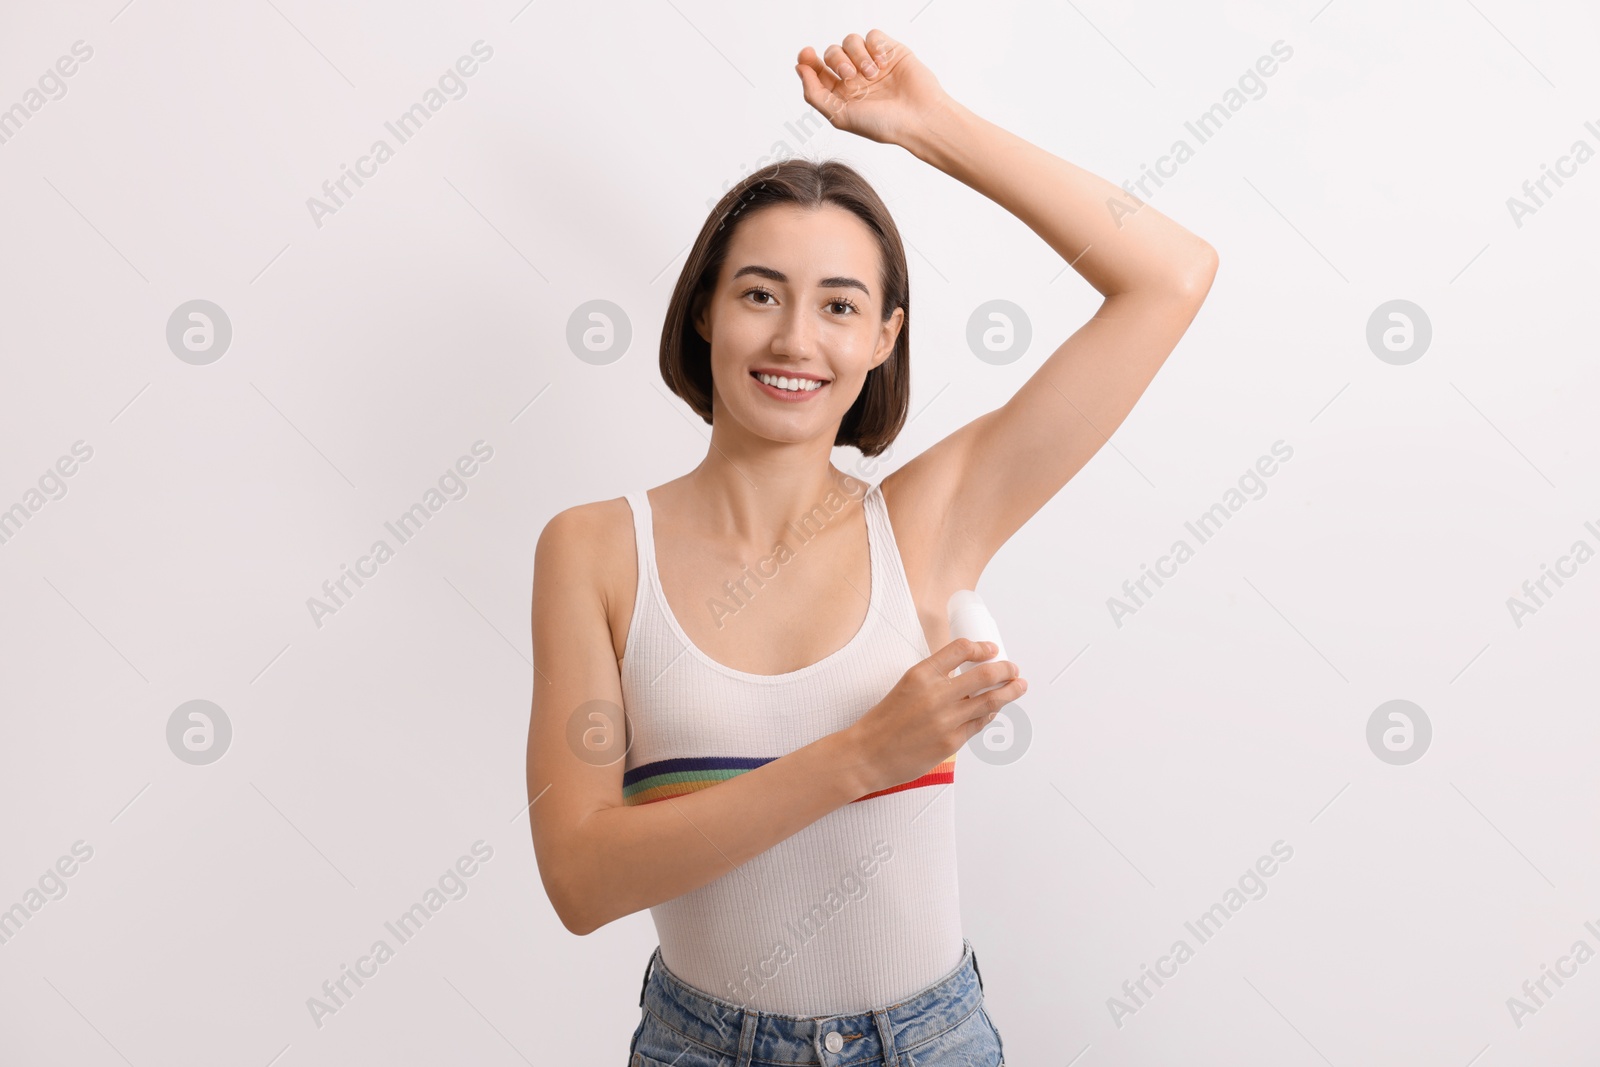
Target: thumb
x,y
810,84
816,94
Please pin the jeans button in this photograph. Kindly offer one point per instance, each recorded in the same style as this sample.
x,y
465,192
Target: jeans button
x,y
833,1042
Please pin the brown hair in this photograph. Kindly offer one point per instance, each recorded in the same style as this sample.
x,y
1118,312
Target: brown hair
x,y
877,415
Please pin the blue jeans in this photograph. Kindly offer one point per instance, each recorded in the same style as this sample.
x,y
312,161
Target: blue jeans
x,y
944,1025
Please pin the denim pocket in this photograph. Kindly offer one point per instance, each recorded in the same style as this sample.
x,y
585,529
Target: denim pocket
x,y
658,1044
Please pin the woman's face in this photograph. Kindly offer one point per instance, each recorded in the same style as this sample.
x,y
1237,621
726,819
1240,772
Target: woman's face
x,y
799,296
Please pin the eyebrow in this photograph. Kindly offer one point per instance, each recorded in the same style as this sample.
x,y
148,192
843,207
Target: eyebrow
x,y
779,276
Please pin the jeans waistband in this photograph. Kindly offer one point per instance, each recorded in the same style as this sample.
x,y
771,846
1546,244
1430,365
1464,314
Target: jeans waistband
x,y
742,1033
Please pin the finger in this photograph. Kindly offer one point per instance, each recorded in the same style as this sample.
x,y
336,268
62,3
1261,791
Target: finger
x,y
826,77
856,49
818,85
994,702
884,49
983,674
811,88
973,727
960,651
995,672
836,58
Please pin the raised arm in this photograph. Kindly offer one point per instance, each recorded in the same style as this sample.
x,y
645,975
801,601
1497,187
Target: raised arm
x,y
982,482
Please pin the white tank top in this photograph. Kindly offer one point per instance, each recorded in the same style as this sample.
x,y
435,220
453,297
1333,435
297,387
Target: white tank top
x,y
857,910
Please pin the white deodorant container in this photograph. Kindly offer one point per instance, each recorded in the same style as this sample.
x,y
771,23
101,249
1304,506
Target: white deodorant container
x,y
970,619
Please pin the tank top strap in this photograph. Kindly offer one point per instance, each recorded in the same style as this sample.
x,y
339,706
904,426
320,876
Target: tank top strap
x,y
643,536
644,557
891,585
880,544
884,548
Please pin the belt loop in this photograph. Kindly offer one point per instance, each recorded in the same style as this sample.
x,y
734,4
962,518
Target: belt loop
x,y
977,972
891,1054
649,966
747,1038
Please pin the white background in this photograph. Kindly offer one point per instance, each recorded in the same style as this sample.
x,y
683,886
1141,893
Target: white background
x,y
369,353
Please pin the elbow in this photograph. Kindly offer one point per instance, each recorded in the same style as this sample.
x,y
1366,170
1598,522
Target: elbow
x,y
576,922
576,884
573,906
1194,281
581,921
567,898
574,915
581,908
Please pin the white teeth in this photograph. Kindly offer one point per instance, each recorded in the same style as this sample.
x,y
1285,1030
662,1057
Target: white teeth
x,y
793,385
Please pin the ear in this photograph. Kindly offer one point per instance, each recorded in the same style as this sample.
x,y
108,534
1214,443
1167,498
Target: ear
x,y
887,336
702,319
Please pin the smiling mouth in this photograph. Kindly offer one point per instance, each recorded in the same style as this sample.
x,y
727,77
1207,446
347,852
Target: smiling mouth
x,y
792,386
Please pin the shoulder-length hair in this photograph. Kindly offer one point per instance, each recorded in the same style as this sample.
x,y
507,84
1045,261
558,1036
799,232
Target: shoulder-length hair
x,y
877,415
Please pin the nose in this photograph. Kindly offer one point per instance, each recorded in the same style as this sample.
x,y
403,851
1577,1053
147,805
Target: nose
x,y
796,336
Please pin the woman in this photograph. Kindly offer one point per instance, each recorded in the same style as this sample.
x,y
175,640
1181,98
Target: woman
x,y
778,793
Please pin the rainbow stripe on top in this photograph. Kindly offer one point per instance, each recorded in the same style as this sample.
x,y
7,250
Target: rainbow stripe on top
x,y
668,778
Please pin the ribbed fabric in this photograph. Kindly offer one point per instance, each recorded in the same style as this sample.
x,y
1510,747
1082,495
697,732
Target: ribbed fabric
x,y
856,911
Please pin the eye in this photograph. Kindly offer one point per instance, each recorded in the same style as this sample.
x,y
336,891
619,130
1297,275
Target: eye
x,y
837,301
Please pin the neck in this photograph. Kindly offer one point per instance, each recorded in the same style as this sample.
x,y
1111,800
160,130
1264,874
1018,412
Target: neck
x,y
755,499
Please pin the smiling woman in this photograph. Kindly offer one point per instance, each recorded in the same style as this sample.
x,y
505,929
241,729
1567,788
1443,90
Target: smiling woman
x,y
755,760
820,214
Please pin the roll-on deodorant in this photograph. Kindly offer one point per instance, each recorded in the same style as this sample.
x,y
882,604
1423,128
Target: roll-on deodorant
x,y
969,618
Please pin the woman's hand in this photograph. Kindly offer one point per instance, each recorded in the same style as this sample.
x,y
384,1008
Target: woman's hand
x,y
874,88
930,713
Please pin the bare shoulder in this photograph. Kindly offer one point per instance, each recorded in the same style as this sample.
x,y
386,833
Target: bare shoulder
x,y
590,548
